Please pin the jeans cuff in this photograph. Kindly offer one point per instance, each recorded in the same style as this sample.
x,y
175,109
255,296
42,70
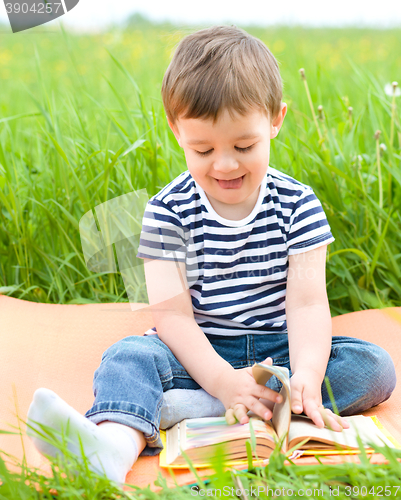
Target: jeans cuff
x,y
134,417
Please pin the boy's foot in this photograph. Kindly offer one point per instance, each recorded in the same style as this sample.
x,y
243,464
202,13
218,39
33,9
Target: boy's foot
x,y
109,449
188,403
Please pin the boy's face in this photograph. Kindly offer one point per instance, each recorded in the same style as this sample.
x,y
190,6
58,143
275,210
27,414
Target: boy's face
x,y
229,158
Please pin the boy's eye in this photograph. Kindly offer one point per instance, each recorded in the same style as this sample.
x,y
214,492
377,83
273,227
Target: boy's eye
x,y
204,153
244,150
240,150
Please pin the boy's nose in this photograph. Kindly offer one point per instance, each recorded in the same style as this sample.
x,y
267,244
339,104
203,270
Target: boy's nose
x,y
225,164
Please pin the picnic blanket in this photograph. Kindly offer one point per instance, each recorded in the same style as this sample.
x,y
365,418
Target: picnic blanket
x,y
60,347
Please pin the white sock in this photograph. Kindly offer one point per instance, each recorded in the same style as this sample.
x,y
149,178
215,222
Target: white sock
x,y
188,403
109,449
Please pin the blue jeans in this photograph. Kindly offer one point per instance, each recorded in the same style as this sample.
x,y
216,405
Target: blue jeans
x,y
136,371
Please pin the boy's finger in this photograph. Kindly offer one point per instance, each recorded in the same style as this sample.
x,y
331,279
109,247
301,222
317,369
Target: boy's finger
x,y
230,417
268,361
240,412
266,393
296,402
328,418
333,421
317,419
342,421
260,409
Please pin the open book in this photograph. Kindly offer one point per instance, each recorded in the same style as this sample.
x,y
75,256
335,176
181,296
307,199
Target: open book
x,y
198,437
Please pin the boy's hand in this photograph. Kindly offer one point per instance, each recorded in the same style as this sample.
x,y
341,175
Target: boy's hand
x,y
241,393
306,396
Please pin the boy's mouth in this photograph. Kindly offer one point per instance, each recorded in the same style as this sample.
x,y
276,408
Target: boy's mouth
x,y
231,184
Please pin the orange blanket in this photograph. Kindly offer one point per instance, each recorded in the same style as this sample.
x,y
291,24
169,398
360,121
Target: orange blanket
x,y
60,347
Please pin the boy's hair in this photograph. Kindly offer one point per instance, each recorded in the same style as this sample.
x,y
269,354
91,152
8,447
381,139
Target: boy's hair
x,y
221,68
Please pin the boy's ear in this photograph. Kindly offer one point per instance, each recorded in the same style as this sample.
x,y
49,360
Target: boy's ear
x,y
278,121
175,131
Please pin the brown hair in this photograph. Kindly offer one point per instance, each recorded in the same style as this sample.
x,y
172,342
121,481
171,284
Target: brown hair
x,y
219,68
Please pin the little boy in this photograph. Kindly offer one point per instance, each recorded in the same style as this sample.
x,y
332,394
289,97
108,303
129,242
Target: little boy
x,y
235,270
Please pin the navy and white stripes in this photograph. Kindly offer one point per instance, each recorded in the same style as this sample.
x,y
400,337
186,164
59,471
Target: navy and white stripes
x,y
236,270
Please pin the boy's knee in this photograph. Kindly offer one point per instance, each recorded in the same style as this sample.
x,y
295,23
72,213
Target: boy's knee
x,y
377,373
383,377
371,362
124,345
378,369
134,348
365,375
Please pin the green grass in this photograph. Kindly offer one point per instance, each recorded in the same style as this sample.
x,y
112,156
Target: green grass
x,y
71,105
71,478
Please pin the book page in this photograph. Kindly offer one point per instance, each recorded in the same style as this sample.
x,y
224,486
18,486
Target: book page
x,y
172,449
206,431
302,428
198,437
281,412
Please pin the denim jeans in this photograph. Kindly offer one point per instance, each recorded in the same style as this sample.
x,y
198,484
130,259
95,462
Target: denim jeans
x,y
136,371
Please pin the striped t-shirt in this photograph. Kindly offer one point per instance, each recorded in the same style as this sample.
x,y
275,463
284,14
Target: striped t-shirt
x,y
236,270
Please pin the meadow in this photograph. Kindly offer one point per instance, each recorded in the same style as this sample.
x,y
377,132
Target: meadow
x,y
71,105
81,122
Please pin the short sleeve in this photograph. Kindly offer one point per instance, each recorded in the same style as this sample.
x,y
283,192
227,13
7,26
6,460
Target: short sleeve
x,y
162,234
309,227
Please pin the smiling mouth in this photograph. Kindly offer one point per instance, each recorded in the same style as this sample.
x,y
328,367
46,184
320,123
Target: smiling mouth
x,y
231,183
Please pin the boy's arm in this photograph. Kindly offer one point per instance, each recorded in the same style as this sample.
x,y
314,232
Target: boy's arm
x,y
172,313
309,335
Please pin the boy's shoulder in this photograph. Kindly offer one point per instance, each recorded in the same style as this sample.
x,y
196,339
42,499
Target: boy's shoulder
x,y
285,184
180,191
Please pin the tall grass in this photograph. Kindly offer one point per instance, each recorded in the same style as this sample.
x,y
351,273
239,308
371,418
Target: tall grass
x,y
71,478
72,105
